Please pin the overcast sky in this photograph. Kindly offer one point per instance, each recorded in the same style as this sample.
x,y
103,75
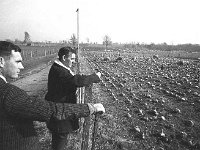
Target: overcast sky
x,y
157,21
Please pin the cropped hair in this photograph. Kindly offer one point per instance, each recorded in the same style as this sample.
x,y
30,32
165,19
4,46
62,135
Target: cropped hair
x,y
65,51
7,47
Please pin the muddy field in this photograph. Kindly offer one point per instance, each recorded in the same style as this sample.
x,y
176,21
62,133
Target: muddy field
x,y
151,102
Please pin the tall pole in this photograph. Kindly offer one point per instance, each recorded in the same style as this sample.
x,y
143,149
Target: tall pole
x,y
78,30
78,55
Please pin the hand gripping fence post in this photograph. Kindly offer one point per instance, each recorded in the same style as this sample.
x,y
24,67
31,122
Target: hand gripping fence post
x,y
95,127
86,125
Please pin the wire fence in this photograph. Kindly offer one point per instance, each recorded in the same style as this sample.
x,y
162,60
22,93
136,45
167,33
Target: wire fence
x,y
36,53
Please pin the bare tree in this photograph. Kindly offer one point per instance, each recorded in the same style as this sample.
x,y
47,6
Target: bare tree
x,y
107,41
27,39
73,40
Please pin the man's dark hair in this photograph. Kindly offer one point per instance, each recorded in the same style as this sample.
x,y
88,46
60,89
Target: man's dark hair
x,y
65,51
7,47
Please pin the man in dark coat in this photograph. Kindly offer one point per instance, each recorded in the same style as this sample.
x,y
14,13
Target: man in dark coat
x,y
18,110
62,87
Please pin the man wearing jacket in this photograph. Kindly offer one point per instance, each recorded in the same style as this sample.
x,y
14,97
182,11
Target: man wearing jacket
x,y
62,87
18,110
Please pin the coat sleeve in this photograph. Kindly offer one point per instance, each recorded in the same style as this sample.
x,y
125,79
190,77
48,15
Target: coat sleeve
x,y
18,104
80,80
85,80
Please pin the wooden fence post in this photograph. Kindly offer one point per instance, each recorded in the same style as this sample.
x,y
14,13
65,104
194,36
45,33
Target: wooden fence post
x,y
86,125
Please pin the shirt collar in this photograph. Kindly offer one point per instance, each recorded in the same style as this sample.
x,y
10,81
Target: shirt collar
x,y
61,64
3,78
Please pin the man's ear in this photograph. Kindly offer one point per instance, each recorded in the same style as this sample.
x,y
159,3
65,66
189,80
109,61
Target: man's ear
x,y
2,62
63,57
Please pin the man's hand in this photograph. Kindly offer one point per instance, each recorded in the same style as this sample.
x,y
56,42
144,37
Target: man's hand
x,y
99,108
98,74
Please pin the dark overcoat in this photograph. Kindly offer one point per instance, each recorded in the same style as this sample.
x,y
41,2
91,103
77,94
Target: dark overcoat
x,y
62,87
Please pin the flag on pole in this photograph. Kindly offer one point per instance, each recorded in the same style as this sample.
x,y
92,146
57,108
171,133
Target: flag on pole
x,y
77,10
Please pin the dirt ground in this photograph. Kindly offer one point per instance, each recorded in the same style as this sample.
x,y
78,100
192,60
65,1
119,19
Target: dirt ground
x,y
142,111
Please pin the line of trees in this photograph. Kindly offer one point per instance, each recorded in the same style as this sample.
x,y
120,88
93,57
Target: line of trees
x,y
108,42
72,41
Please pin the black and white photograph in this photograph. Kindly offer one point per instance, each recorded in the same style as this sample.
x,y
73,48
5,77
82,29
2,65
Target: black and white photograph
x,y
99,75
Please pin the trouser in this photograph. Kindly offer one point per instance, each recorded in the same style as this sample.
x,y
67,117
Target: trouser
x,y
59,141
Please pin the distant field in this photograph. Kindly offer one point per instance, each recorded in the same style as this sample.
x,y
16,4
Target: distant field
x,y
143,52
176,54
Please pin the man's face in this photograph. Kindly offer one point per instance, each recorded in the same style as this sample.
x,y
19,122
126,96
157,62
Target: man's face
x,y
70,60
12,65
